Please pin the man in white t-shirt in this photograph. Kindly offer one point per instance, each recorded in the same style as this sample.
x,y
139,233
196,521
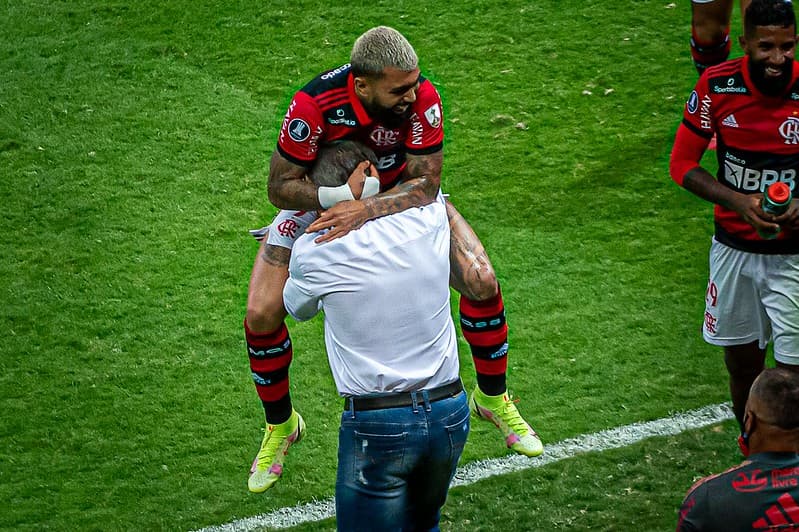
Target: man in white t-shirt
x,y
392,349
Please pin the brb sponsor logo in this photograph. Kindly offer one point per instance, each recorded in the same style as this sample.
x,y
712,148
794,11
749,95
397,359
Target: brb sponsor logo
x,y
756,180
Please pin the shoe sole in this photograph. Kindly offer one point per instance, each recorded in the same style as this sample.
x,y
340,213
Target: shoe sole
x,y
531,454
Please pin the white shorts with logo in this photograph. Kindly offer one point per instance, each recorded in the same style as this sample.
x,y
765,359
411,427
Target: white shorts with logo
x,y
288,226
753,297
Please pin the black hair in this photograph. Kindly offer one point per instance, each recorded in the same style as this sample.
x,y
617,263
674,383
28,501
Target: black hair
x,y
778,391
337,160
768,13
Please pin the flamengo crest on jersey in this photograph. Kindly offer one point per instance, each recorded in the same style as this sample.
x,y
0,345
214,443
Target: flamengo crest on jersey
x,y
327,109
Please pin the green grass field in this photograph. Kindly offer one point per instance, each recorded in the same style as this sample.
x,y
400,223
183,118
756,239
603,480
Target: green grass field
x,y
134,140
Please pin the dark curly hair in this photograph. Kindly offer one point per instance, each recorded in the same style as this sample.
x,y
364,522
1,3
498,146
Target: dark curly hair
x,y
768,13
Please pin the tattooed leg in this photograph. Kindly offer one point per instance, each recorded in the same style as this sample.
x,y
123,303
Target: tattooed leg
x,y
265,310
471,273
269,346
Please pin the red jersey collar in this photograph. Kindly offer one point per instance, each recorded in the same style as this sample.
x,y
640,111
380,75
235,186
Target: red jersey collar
x,y
756,91
357,106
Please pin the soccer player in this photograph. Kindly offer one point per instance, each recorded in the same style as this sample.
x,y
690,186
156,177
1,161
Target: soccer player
x,y
751,104
396,365
710,31
762,493
380,99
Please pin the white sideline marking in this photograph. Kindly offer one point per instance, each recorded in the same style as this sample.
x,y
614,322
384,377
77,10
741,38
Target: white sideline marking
x,y
482,469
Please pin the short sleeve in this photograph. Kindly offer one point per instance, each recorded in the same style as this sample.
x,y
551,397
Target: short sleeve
x,y
426,133
299,298
302,130
698,113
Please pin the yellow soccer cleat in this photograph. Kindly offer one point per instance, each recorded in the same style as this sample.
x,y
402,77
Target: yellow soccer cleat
x,y
502,412
268,464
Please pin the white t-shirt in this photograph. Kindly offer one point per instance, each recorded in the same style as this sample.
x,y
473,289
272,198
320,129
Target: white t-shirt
x,y
384,290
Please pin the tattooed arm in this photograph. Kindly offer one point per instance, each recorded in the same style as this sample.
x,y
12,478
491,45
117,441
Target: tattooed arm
x,y
287,186
420,184
290,187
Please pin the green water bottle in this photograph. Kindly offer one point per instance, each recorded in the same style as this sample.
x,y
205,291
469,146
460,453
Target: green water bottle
x,y
776,201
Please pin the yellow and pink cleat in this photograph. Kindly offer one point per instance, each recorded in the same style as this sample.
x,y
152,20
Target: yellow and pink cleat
x,y
268,464
501,411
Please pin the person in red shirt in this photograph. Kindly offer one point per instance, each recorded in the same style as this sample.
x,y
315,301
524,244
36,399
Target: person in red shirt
x,y
379,99
762,493
751,105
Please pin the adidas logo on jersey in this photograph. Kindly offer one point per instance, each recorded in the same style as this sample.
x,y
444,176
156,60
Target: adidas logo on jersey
x,y
729,121
780,515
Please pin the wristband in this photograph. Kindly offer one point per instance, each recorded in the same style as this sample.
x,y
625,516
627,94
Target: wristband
x,y
371,187
329,196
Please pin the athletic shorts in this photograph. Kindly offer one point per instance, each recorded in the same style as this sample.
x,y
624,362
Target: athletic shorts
x,y
753,297
288,226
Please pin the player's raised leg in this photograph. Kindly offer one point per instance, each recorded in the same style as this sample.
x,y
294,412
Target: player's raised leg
x,y
482,317
270,352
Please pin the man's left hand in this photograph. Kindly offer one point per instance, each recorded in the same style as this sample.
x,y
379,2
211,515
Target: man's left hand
x,y
341,218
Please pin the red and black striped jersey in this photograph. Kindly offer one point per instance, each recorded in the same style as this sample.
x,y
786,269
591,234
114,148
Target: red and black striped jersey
x,y
757,144
327,109
762,493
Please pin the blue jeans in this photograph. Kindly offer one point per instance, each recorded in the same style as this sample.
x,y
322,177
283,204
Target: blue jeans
x,y
395,464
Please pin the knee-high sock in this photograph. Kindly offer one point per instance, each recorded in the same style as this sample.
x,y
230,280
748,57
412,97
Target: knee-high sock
x,y
708,54
270,356
484,328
